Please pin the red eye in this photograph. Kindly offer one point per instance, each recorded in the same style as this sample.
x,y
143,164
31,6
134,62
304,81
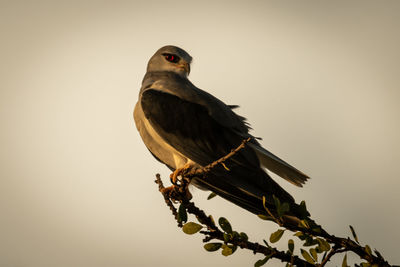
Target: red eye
x,y
171,58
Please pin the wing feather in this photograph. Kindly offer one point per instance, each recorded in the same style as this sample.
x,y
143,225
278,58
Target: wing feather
x,y
190,129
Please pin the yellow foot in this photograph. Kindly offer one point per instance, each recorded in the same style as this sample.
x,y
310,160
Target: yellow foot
x,y
179,172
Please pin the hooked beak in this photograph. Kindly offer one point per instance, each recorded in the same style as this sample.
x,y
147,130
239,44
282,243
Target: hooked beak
x,y
186,67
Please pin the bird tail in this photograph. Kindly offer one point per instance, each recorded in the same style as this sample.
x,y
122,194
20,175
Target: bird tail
x,y
256,198
254,202
278,166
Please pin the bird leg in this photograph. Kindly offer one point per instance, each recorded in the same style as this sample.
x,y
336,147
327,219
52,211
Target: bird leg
x,y
179,172
179,188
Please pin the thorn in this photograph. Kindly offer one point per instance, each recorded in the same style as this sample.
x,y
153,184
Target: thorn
x,y
226,168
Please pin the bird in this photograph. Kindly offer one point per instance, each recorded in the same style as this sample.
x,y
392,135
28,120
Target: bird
x,y
186,127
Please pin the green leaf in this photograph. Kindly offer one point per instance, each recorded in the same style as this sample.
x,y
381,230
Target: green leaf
x,y
301,235
365,264
211,218
227,250
378,253
368,250
265,202
304,224
235,235
344,263
310,242
262,262
277,202
354,233
182,214
212,246
191,228
263,217
276,236
303,210
323,244
243,236
317,230
225,225
211,195
314,254
284,208
227,237
291,245
234,247
307,256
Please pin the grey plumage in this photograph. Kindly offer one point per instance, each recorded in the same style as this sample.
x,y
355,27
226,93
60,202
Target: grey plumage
x,y
182,124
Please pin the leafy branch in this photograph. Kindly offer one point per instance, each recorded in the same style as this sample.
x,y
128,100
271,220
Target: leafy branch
x,y
316,240
231,240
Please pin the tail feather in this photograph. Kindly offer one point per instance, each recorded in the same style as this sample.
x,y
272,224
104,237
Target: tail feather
x,y
232,194
249,197
278,166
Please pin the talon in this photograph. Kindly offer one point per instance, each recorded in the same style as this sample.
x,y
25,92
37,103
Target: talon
x,y
178,172
173,180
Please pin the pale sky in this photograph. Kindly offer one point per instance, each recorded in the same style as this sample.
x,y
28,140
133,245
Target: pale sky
x,y
318,80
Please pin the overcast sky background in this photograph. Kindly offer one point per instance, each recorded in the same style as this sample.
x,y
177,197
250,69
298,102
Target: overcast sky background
x,y
318,80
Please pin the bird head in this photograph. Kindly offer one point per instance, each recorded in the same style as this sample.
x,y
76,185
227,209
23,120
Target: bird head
x,y
170,58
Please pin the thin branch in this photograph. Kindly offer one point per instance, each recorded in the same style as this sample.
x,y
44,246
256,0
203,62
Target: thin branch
x,y
167,199
214,232
229,155
279,222
180,193
333,251
202,171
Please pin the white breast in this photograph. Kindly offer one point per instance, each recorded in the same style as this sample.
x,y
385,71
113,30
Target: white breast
x,y
155,143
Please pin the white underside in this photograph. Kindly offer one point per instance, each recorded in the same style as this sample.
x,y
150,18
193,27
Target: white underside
x,y
158,146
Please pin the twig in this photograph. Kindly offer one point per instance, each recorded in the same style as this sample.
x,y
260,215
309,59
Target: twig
x,y
342,245
181,194
279,222
333,251
201,171
214,232
167,199
229,155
